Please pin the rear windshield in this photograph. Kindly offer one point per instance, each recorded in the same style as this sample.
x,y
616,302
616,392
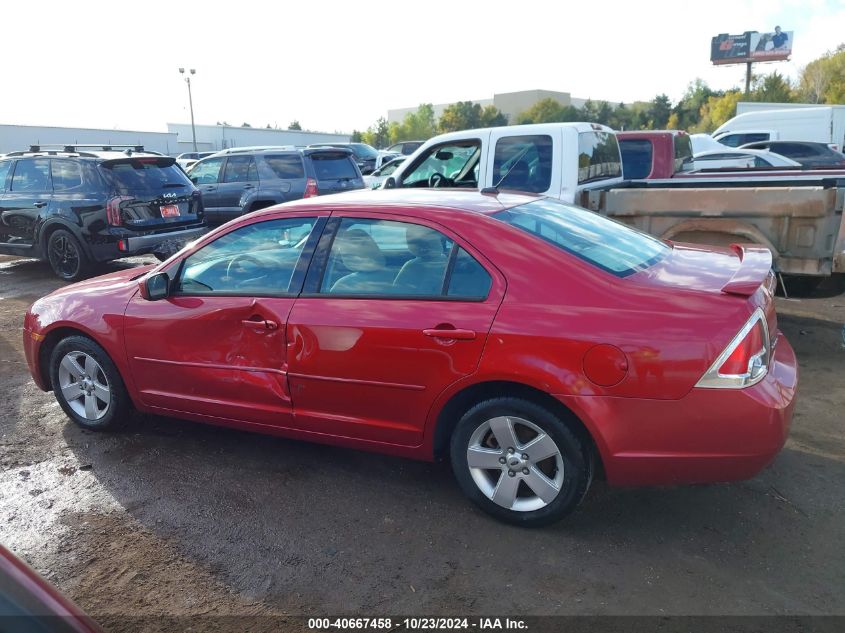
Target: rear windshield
x,y
362,150
636,158
613,247
330,166
144,175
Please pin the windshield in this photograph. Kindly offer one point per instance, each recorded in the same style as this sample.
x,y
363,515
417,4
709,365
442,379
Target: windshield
x,y
613,247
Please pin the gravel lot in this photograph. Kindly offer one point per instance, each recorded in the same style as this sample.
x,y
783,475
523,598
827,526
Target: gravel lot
x,y
176,518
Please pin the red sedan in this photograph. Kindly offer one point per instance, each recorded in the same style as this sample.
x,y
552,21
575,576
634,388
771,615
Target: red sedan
x,y
532,342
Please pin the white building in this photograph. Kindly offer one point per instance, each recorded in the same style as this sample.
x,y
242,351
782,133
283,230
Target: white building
x,y
176,140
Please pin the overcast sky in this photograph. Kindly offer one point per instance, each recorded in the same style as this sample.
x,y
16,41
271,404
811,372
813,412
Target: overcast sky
x,y
340,65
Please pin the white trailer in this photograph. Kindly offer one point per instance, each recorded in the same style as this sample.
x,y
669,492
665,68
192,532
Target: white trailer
x,y
784,122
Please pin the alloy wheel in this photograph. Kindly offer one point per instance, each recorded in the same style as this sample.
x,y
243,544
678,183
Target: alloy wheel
x,y
64,256
84,385
515,463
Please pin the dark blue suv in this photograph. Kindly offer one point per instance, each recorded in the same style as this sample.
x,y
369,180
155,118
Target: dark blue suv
x,y
240,180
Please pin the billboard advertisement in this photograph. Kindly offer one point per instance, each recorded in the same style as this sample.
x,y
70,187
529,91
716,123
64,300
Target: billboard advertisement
x,y
751,46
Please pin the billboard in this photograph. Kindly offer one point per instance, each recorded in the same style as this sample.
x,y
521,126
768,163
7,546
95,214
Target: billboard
x,y
751,46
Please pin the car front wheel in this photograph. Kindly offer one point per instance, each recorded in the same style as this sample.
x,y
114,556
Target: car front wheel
x,y
87,384
520,462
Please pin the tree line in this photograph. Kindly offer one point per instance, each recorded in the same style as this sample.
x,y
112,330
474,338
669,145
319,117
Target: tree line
x,y
700,109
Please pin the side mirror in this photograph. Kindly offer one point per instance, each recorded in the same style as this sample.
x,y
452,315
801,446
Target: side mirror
x,y
390,183
194,179
155,287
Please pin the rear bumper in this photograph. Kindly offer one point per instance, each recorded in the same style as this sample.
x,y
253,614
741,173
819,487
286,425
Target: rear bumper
x,y
167,242
710,435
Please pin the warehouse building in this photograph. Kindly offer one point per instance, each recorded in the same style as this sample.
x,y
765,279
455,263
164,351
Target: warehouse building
x,y
176,140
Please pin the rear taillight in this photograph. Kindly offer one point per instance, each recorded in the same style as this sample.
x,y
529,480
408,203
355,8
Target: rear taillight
x,y
311,188
745,360
113,210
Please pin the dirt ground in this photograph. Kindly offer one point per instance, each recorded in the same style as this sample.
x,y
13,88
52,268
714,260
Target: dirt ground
x,y
175,518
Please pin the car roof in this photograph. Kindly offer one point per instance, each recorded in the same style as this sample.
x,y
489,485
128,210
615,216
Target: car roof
x,y
99,155
471,201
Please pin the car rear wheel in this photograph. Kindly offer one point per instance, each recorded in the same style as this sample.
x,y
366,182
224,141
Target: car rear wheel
x,y
87,384
66,256
520,462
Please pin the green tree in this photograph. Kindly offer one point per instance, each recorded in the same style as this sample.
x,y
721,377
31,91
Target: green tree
x,y
773,88
823,79
604,113
491,116
378,135
688,109
463,115
717,110
658,112
547,110
294,125
416,126
356,137
245,124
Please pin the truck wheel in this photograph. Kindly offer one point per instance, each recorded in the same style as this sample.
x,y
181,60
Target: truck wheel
x,y
66,257
519,462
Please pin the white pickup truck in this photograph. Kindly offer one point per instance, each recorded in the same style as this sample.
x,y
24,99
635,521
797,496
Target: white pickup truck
x,y
798,217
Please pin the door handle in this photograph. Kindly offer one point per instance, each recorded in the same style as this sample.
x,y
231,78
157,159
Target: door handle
x,y
264,325
40,204
450,333
249,186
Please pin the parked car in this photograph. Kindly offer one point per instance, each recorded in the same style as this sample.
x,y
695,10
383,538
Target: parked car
x,y
811,155
374,180
74,208
243,180
406,148
581,163
365,155
187,159
30,603
385,157
381,321
730,158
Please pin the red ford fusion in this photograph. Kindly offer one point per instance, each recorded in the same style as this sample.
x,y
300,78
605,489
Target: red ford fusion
x,y
532,343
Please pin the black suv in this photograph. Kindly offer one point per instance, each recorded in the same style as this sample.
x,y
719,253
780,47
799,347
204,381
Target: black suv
x,y
239,180
74,207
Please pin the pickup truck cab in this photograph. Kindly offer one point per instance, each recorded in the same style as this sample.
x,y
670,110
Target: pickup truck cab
x,y
797,215
532,158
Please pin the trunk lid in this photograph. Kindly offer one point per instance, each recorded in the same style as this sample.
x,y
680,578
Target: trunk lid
x,y
336,171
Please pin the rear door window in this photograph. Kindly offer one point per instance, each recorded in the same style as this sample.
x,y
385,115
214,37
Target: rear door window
x,y
67,174
31,175
144,175
598,157
240,169
286,166
333,166
523,163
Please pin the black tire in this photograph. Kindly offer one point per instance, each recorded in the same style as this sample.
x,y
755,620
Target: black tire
x,y
66,257
575,460
110,415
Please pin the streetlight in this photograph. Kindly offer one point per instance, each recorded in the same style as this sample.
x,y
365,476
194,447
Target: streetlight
x,y
193,71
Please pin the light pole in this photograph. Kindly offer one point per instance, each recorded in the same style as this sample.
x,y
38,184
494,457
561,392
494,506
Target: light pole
x,y
193,71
